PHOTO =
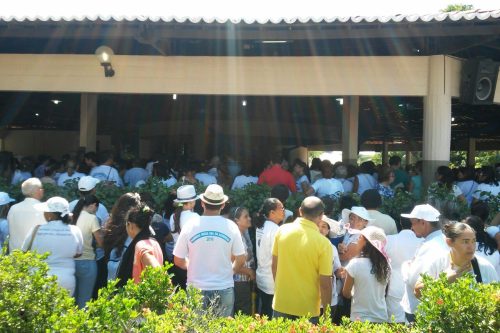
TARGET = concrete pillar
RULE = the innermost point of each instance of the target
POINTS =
(88, 121)
(350, 122)
(385, 153)
(437, 118)
(471, 152)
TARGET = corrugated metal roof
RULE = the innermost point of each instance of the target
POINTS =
(474, 15)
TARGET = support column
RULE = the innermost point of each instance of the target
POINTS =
(88, 121)
(437, 118)
(385, 152)
(350, 121)
(471, 153)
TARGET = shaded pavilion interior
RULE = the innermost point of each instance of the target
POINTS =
(289, 121)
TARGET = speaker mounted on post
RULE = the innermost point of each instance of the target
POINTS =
(478, 81)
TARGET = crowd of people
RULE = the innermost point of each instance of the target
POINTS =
(362, 264)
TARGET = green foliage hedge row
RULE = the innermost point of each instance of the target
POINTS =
(32, 302)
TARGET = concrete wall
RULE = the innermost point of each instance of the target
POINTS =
(53, 143)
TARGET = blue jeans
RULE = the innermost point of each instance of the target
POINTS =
(86, 274)
(221, 302)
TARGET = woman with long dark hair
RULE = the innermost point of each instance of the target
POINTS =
(270, 215)
(85, 265)
(144, 250)
(116, 239)
(486, 246)
(446, 179)
(487, 183)
(367, 278)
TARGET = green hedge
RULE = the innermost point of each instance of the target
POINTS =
(32, 302)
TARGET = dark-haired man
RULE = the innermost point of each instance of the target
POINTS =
(302, 265)
(210, 241)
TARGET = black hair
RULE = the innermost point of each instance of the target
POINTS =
(329, 203)
(467, 173)
(453, 230)
(346, 201)
(140, 216)
(269, 205)
(394, 160)
(66, 219)
(367, 167)
(486, 244)
(4, 210)
(447, 177)
(91, 156)
(480, 209)
(371, 199)
(489, 172)
(85, 201)
(384, 174)
(380, 265)
(315, 164)
(280, 192)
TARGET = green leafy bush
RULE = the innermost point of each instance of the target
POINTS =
(402, 202)
(251, 196)
(462, 306)
(445, 201)
(29, 300)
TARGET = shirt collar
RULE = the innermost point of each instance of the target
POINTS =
(433, 235)
(308, 223)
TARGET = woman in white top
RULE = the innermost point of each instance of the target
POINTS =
(486, 246)
(62, 240)
(85, 265)
(355, 220)
(302, 183)
(466, 183)
(367, 278)
(185, 202)
(269, 217)
(365, 179)
(461, 259)
(488, 184)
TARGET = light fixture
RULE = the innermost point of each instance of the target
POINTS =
(274, 41)
(104, 54)
(340, 100)
(244, 102)
(56, 101)
(452, 118)
(37, 114)
(174, 97)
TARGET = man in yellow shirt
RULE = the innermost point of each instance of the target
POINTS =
(302, 265)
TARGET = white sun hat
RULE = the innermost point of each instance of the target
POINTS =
(357, 210)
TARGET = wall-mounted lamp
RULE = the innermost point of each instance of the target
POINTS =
(104, 54)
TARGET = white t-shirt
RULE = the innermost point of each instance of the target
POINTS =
(205, 178)
(264, 240)
(336, 265)
(107, 173)
(493, 258)
(169, 182)
(331, 186)
(434, 245)
(186, 215)
(366, 182)
(133, 175)
(210, 241)
(4, 231)
(63, 241)
(490, 188)
(468, 187)
(368, 295)
(346, 184)
(64, 177)
(443, 262)
(22, 217)
(242, 180)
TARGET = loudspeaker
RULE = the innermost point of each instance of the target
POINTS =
(478, 81)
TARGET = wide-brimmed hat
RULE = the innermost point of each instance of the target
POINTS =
(87, 183)
(54, 205)
(186, 193)
(5, 199)
(376, 237)
(357, 210)
(214, 195)
(424, 212)
(335, 229)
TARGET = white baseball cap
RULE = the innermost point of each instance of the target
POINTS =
(54, 205)
(87, 183)
(5, 198)
(356, 210)
(423, 212)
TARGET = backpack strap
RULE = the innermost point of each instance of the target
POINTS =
(477, 272)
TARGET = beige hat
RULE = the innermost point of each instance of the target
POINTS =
(214, 195)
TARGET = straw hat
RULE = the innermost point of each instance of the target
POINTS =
(214, 195)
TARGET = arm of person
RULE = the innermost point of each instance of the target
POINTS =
(98, 238)
(352, 250)
(355, 185)
(308, 190)
(348, 283)
(238, 263)
(325, 285)
(410, 186)
(148, 259)
(181, 262)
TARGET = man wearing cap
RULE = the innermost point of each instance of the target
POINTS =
(23, 216)
(210, 242)
(425, 224)
(302, 265)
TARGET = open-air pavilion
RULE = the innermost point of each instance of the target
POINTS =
(200, 86)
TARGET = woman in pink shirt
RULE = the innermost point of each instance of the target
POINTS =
(144, 250)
